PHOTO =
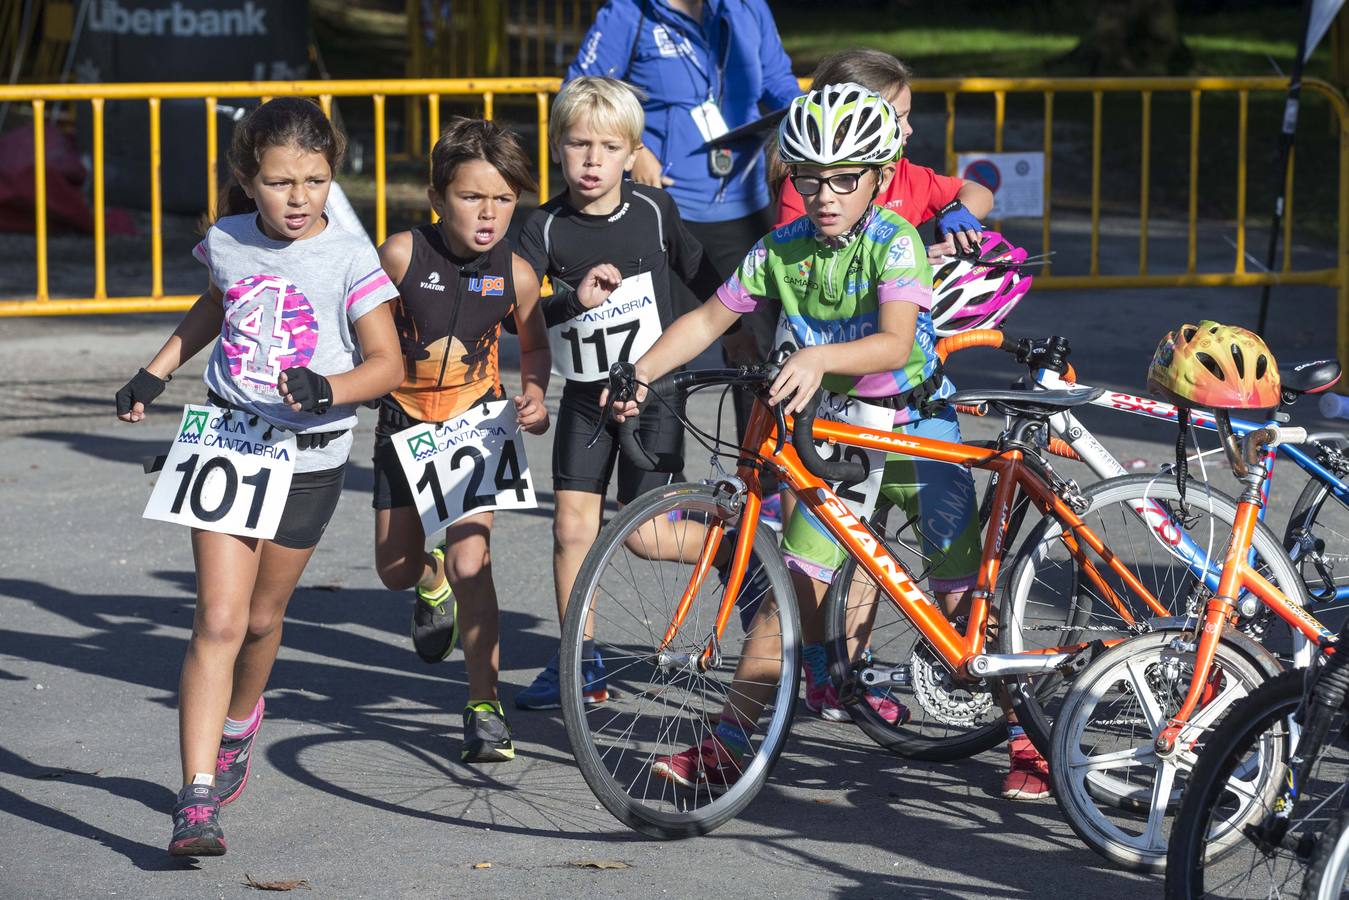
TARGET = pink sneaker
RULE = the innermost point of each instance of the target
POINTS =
(709, 765)
(823, 700)
(891, 710)
(1028, 777)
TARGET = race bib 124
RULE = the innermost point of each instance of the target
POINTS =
(473, 463)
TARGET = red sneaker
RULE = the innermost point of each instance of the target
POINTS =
(1028, 778)
(709, 765)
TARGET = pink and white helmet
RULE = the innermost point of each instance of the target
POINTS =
(969, 294)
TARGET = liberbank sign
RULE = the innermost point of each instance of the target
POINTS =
(179, 20)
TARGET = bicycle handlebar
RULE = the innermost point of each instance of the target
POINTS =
(802, 440)
(1050, 353)
(673, 390)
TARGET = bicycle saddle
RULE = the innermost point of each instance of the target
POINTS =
(1035, 404)
(1309, 377)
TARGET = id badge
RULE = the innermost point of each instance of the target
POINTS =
(707, 117)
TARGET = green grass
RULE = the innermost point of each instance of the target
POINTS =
(1009, 45)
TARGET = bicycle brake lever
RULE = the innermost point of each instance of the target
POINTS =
(604, 417)
(781, 418)
(621, 378)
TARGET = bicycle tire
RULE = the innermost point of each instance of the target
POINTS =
(1328, 868)
(909, 740)
(1323, 519)
(1261, 721)
(1031, 616)
(674, 812)
(1138, 685)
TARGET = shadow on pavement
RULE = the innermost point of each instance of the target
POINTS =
(145, 857)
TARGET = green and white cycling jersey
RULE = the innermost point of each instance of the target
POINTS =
(832, 293)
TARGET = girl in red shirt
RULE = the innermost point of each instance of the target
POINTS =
(916, 193)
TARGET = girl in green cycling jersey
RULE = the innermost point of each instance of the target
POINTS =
(855, 288)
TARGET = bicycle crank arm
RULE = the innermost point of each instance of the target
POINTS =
(996, 665)
(887, 675)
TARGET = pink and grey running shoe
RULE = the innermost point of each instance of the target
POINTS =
(822, 698)
(235, 759)
(196, 823)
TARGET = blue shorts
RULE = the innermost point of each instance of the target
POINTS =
(941, 496)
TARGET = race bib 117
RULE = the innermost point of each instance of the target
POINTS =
(620, 329)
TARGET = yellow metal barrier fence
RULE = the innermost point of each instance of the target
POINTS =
(486, 90)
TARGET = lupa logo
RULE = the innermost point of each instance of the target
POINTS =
(421, 445)
(193, 427)
(112, 17)
(432, 282)
(488, 285)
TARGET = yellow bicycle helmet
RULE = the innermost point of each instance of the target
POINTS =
(1214, 366)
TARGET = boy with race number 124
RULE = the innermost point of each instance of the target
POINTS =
(458, 283)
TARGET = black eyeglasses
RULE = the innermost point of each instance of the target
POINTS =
(842, 183)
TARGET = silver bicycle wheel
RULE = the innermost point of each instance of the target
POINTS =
(1050, 602)
(1103, 742)
(667, 697)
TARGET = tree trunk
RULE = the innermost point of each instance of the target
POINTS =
(1131, 37)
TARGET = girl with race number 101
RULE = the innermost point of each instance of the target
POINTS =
(458, 281)
(299, 305)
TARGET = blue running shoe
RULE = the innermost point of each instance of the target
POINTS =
(546, 691)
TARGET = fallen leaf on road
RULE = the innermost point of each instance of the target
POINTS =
(274, 885)
(482, 865)
(598, 864)
(62, 773)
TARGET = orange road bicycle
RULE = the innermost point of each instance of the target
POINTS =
(690, 605)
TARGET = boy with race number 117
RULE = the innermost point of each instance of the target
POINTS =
(610, 247)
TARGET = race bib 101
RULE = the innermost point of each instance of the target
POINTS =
(620, 329)
(473, 463)
(223, 474)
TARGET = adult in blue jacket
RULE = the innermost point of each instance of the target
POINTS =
(705, 66)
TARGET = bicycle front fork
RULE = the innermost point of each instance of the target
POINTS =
(1221, 607)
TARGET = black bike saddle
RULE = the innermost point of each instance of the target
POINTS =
(1035, 404)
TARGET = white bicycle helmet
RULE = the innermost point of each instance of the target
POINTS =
(840, 124)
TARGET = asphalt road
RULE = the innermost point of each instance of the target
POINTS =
(356, 786)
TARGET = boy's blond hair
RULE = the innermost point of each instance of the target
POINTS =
(611, 106)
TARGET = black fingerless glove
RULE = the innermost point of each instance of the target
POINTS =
(309, 389)
(142, 389)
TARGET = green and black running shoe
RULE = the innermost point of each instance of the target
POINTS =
(435, 619)
(487, 737)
